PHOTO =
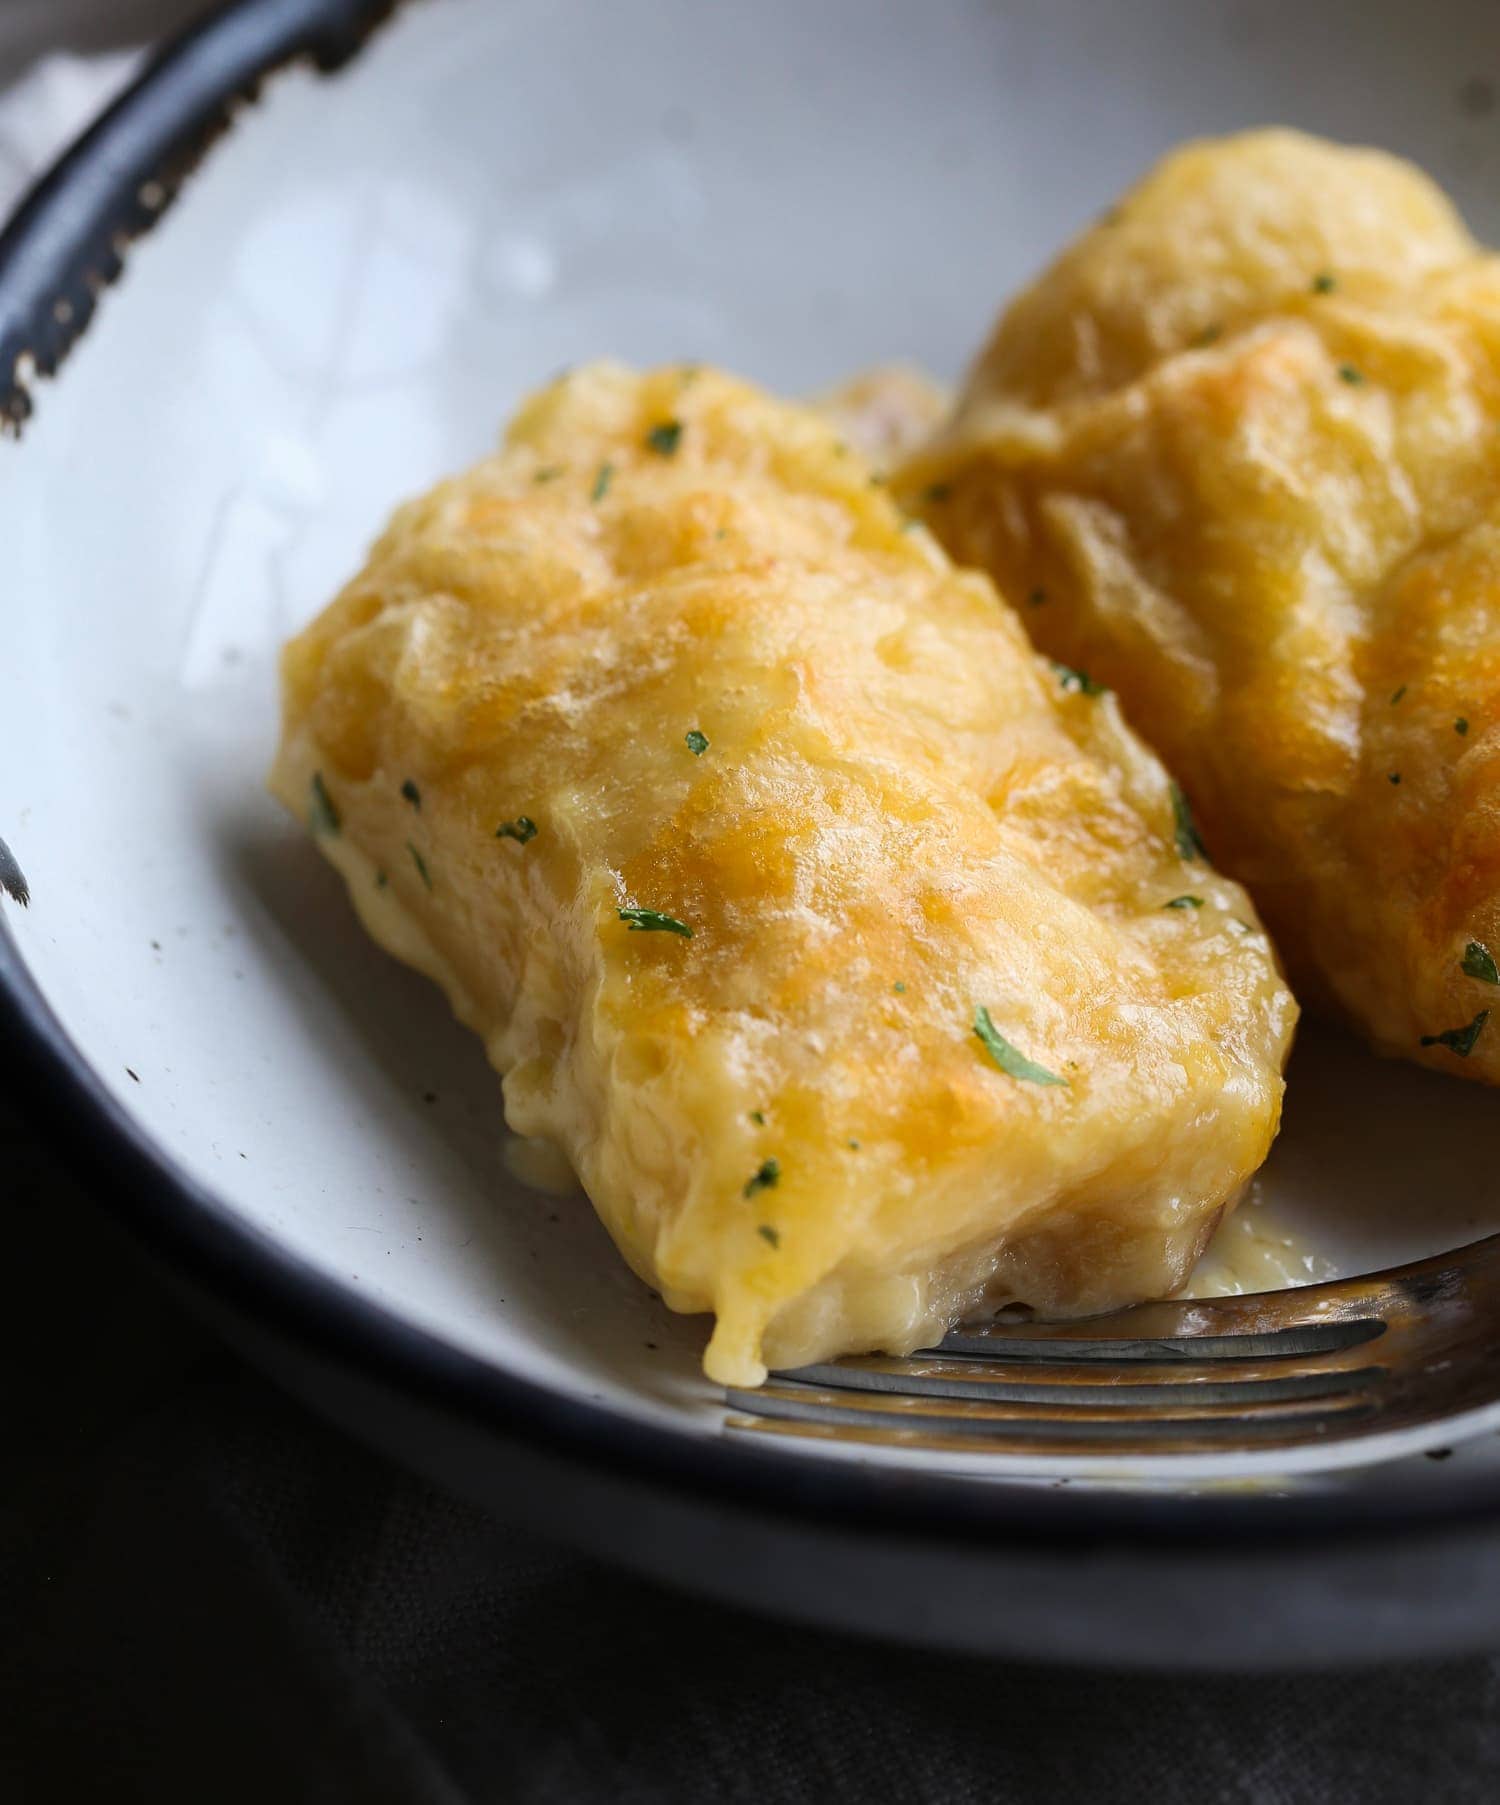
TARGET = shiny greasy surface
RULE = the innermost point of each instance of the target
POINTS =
(1238, 453)
(901, 815)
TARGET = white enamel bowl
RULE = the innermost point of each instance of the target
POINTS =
(347, 299)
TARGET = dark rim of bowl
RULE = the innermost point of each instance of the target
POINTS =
(58, 254)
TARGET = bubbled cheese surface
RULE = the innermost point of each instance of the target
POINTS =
(901, 815)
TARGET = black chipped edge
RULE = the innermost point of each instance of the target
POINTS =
(57, 256)
(68, 240)
(12, 878)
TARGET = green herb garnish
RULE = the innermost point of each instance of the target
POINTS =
(1348, 373)
(1324, 283)
(767, 1233)
(323, 816)
(1012, 1063)
(1079, 682)
(420, 863)
(1393, 777)
(854, 1146)
(1210, 335)
(1461, 726)
(1184, 902)
(937, 491)
(899, 988)
(412, 794)
(768, 1174)
(664, 439)
(649, 921)
(1459, 1040)
(522, 829)
(758, 1117)
(1397, 694)
(1185, 829)
(697, 743)
(548, 473)
(381, 880)
(1479, 962)
(602, 481)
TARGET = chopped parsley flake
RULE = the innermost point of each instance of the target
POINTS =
(937, 491)
(767, 1233)
(649, 921)
(381, 880)
(900, 988)
(1397, 694)
(1479, 962)
(1184, 902)
(420, 863)
(768, 1174)
(758, 1117)
(1210, 335)
(1348, 373)
(1079, 682)
(1038, 598)
(1393, 777)
(1012, 1063)
(697, 743)
(1459, 1040)
(548, 473)
(1461, 726)
(1185, 829)
(522, 829)
(323, 816)
(1324, 283)
(664, 439)
(602, 481)
(854, 1146)
(412, 794)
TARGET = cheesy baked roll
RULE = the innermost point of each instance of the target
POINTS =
(1238, 454)
(854, 956)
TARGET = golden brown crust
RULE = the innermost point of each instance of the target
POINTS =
(1238, 452)
(900, 814)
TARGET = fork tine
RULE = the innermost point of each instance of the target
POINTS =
(1302, 1319)
(1097, 1381)
(1066, 1423)
(1090, 1339)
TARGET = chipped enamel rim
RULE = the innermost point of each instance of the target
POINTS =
(58, 255)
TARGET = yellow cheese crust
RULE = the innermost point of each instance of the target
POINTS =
(1240, 448)
(901, 815)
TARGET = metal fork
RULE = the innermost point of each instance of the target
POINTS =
(1314, 1365)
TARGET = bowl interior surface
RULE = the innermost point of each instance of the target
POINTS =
(345, 304)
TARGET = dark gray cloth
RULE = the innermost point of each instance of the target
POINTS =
(208, 1595)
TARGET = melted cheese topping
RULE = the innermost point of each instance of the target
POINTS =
(900, 815)
(1241, 447)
